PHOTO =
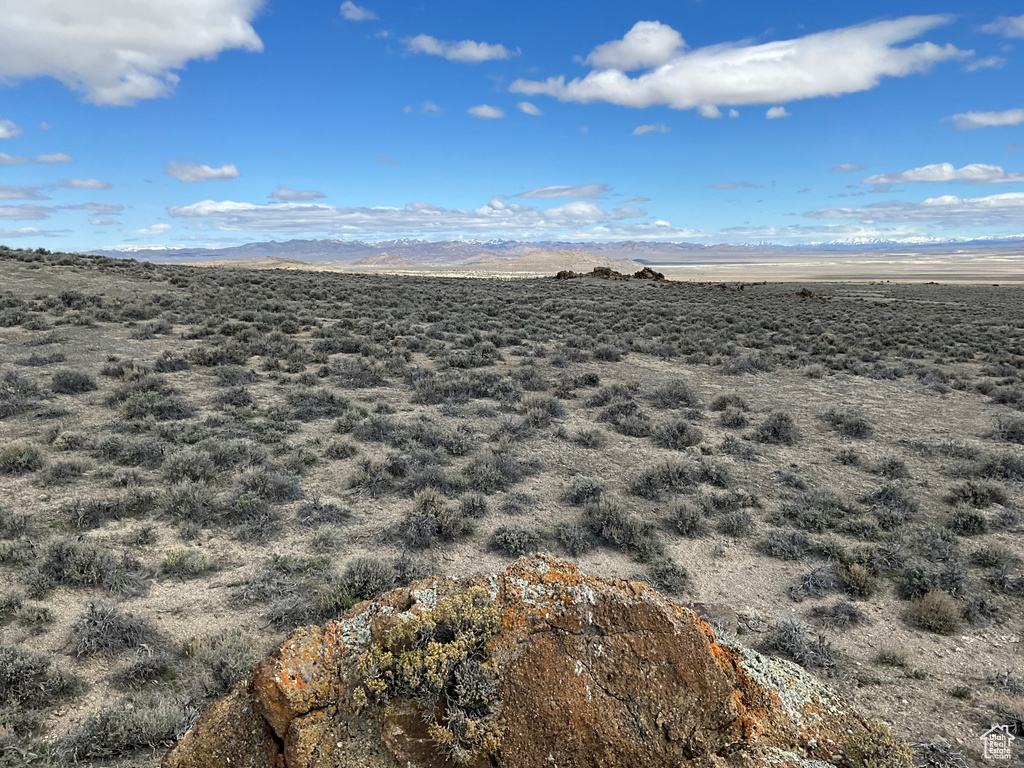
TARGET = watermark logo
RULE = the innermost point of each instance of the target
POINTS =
(998, 741)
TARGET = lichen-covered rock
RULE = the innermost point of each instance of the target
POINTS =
(538, 666)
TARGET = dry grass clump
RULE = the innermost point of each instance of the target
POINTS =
(936, 612)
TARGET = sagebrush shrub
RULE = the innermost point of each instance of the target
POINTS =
(789, 640)
(666, 575)
(20, 458)
(849, 423)
(777, 429)
(515, 540)
(68, 382)
(103, 628)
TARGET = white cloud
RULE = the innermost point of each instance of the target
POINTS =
(194, 172)
(776, 113)
(353, 12)
(59, 157)
(648, 44)
(119, 51)
(711, 112)
(1007, 26)
(733, 113)
(829, 63)
(990, 62)
(796, 234)
(970, 121)
(103, 208)
(848, 167)
(733, 185)
(152, 229)
(45, 126)
(975, 173)
(30, 212)
(498, 217)
(578, 192)
(283, 193)
(465, 51)
(104, 222)
(31, 232)
(10, 129)
(1005, 209)
(430, 108)
(528, 108)
(486, 111)
(640, 130)
(85, 184)
(8, 192)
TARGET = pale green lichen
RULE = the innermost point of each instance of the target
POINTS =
(438, 662)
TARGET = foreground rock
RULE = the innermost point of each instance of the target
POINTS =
(538, 666)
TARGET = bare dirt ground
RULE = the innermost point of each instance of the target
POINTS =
(311, 438)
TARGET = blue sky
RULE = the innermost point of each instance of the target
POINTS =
(217, 122)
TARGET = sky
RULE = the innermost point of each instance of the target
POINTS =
(190, 123)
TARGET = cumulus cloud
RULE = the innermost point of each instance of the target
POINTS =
(640, 130)
(1007, 26)
(829, 63)
(578, 192)
(498, 217)
(776, 113)
(8, 192)
(353, 12)
(733, 113)
(116, 52)
(970, 121)
(152, 229)
(486, 111)
(975, 173)
(465, 51)
(59, 157)
(10, 129)
(528, 108)
(1005, 209)
(283, 193)
(711, 112)
(194, 172)
(85, 184)
(848, 167)
(648, 44)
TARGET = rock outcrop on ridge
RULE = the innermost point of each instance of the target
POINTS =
(536, 667)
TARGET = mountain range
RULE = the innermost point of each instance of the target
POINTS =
(454, 253)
